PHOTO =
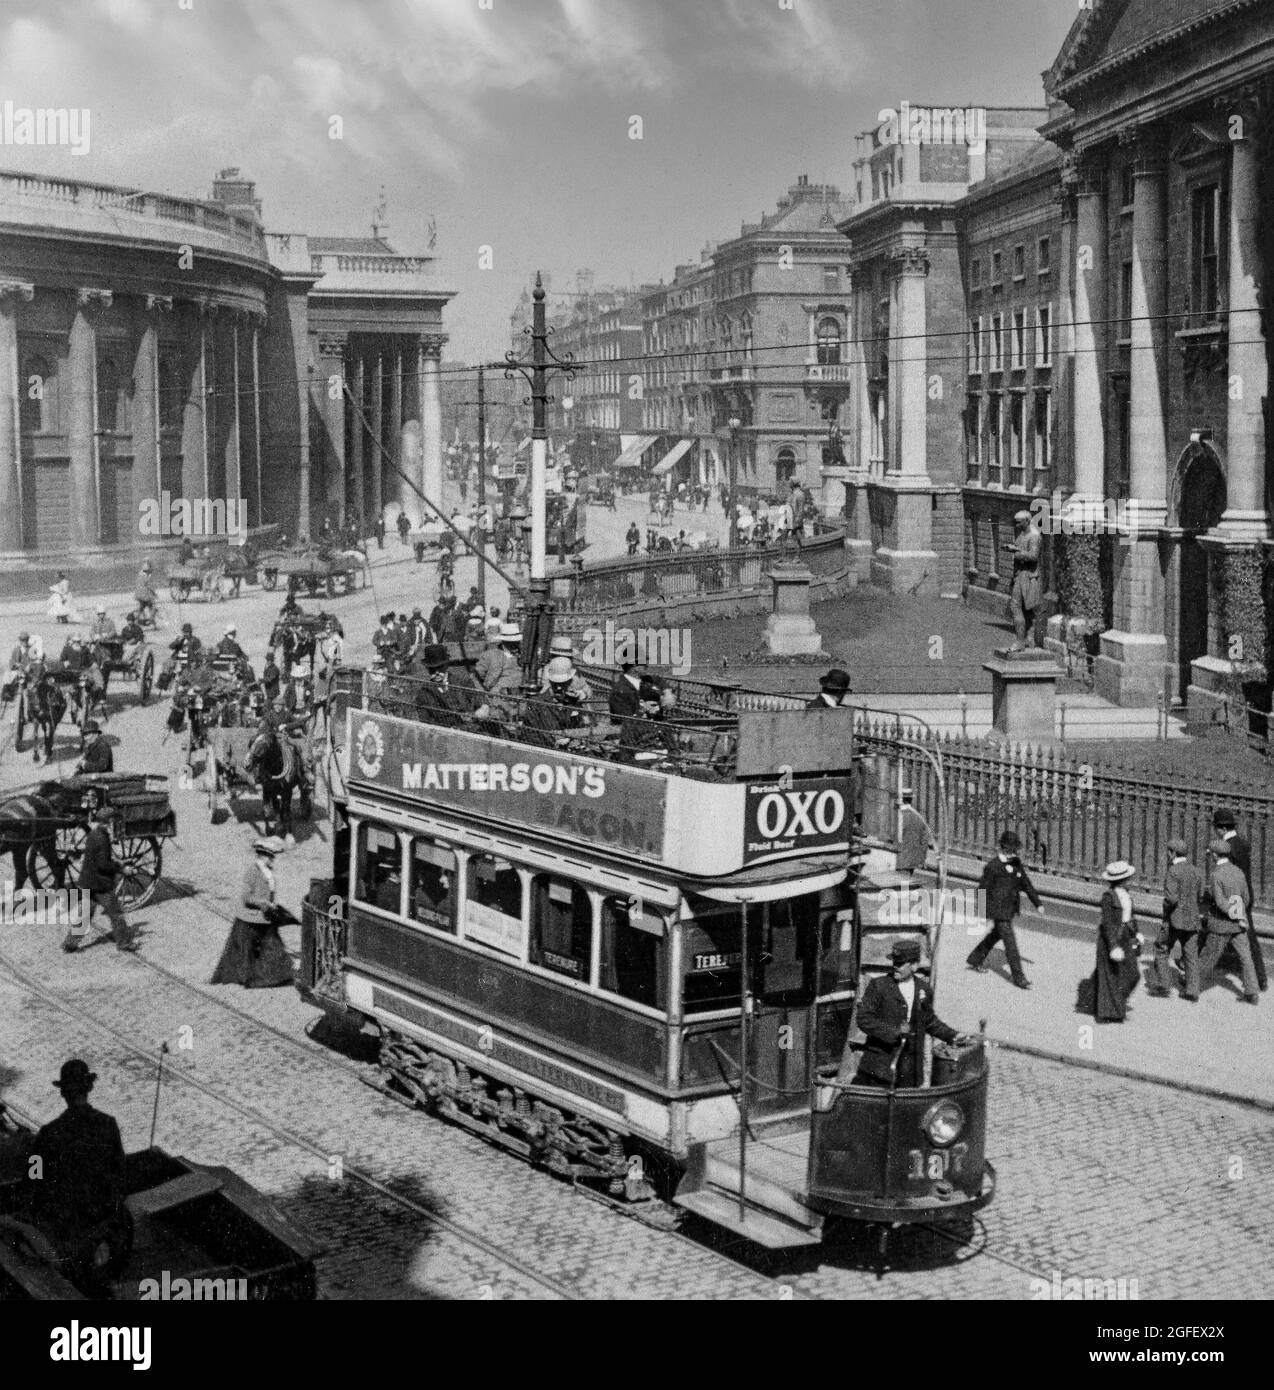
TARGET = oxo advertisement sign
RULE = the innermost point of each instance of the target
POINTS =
(808, 817)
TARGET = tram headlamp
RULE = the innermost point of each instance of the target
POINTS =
(943, 1123)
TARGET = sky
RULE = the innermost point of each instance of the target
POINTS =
(507, 122)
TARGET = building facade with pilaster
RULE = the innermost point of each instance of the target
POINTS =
(155, 350)
(1163, 116)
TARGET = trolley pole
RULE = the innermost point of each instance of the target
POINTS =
(745, 1018)
(482, 483)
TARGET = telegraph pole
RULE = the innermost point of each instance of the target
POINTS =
(539, 625)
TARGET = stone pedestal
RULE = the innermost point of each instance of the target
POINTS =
(1023, 695)
(906, 563)
(789, 630)
(1130, 669)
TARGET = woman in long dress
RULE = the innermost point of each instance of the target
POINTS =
(254, 955)
(60, 598)
(1118, 947)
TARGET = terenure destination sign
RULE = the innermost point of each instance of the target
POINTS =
(600, 803)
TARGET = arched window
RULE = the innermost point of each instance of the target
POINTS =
(37, 394)
(828, 342)
(785, 465)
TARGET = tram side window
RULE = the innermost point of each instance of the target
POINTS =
(378, 880)
(493, 906)
(432, 891)
(561, 926)
(633, 958)
(712, 957)
(789, 948)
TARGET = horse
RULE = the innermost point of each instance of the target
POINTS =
(277, 765)
(45, 706)
(28, 825)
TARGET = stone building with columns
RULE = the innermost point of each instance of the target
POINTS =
(1162, 112)
(153, 345)
(903, 441)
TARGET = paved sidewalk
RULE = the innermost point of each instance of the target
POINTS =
(1217, 1045)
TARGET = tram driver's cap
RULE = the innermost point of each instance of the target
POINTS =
(905, 953)
(75, 1076)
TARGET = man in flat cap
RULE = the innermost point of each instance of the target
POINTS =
(1183, 891)
(896, 1013)
(1025, 596)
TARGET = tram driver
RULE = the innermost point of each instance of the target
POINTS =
(896, 1013)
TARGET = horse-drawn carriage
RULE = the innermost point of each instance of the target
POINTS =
(601, 492)
(46, 692)
(202, 577)
(315, 569)
(220, 693)
(258, 761)
(138, 665)
(191, 1230)
(45, 828)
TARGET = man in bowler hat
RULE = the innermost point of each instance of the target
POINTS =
(1003, 881)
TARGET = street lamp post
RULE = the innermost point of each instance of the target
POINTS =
(734, 423)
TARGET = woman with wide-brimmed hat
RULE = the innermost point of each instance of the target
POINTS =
(1118, 946)
(254, 955)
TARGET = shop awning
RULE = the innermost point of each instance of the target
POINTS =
(674, 455)
(631, 457)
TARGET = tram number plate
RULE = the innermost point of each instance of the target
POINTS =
(937, 1163)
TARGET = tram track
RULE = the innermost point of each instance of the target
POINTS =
(777, 1288)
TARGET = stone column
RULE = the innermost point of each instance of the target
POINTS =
(256, 414)
(234, 445)
(331, 348)
(81, 424)
(1245, 515)
(907, 562)
(358, 429)
(194, 431)
(1089, 323)
(431, 417)
(1130, 669)
(147, 475)
(12, 292)
(395, 359)
(387, 482)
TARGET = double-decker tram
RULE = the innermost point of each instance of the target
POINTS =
(638, 969)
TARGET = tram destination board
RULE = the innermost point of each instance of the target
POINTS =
(600, 803)
(809, 816)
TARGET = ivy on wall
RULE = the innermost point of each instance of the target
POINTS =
(1240, 580)
(1078, 575)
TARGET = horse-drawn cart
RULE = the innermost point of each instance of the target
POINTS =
(144, 819)
(257, 762)
(138, 665)
(315, 569)
(201, 577)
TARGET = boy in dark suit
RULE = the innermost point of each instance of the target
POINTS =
(1003, 881)
(1225, 826)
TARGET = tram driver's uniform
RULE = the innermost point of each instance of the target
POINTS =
(896, 1016)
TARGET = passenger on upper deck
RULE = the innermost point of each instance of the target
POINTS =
(835, 686)
(436, 702)
(648, 735)
(624, 692)
(556, 708)
(895, 1013)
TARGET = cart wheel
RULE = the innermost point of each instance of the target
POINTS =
(148, 675)
(269, 579)
(212, 774)
(68, 854)
(141, 861)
